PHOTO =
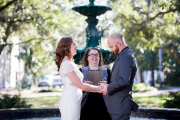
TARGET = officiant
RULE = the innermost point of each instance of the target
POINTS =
(94, 105)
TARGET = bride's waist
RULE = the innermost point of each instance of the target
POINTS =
(69, 85)
(72, 92)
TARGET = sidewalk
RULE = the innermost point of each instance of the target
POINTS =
(29, 93)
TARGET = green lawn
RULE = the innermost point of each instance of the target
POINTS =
(148, 100)
(44, 102)
(53, 101)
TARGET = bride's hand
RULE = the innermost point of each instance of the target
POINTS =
(100, 91)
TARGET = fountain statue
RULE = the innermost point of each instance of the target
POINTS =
(93, 34)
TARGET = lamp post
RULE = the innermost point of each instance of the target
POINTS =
(160, 67)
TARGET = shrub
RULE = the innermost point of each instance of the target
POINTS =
(141, 87)
(158, 80)
(173, 79)
(13, 102)
(27, 81)
(172, 100)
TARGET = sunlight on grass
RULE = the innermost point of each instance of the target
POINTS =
(143, 100)
(44, 102)
(148, 100)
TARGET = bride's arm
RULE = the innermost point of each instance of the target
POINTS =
(83, 86)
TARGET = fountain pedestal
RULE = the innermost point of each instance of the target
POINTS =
(93, 35)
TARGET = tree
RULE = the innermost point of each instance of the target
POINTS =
(39, 25)
(168, 4)
(146, 27)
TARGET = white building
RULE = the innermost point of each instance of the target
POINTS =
(11, 69)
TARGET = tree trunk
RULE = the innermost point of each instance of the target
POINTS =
(174, 54)
(141, 77)
(34, 79)
(1, 48)
(5, 39)
(152, 76)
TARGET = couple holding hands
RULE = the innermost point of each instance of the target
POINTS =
(112, 99)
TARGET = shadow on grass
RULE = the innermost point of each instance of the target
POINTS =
(52, 89)
(163, 88)
(46, 91)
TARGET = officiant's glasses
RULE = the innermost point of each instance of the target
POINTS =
(95, 55)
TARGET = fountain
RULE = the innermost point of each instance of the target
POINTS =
(93, 40)
(93, 34)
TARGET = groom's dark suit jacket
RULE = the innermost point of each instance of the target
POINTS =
(120, 99)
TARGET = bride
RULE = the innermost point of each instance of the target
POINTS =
(70, 102)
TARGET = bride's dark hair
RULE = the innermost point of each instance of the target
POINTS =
(62, 50)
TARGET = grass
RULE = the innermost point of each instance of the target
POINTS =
(44, 102)
(148, 100)
(141, 99)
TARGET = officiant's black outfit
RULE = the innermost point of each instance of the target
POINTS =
(94, 105)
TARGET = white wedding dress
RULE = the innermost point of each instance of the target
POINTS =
(70, 102)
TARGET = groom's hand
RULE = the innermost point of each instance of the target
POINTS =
(103, 81)
(104, 86)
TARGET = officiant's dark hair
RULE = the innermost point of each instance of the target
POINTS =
(85, 61)
(62, 50)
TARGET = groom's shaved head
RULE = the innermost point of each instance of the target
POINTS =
(116, 43)
(117, 37)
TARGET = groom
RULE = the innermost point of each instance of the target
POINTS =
(119, 90)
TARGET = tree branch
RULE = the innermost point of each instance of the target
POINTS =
(25, 41)
(8, 4)
(150, 19)
(162, 13)
(25, 20)
(123, 16)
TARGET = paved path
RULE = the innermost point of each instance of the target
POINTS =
(31, 94)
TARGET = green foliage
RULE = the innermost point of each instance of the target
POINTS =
(39, 25)
(141, 87)
(173, 76)
(27, 81)
(172, 79)
(172, 100)
(168, 4)
(13, 102)
(146, 27)
(147, 60)
(158, 78)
